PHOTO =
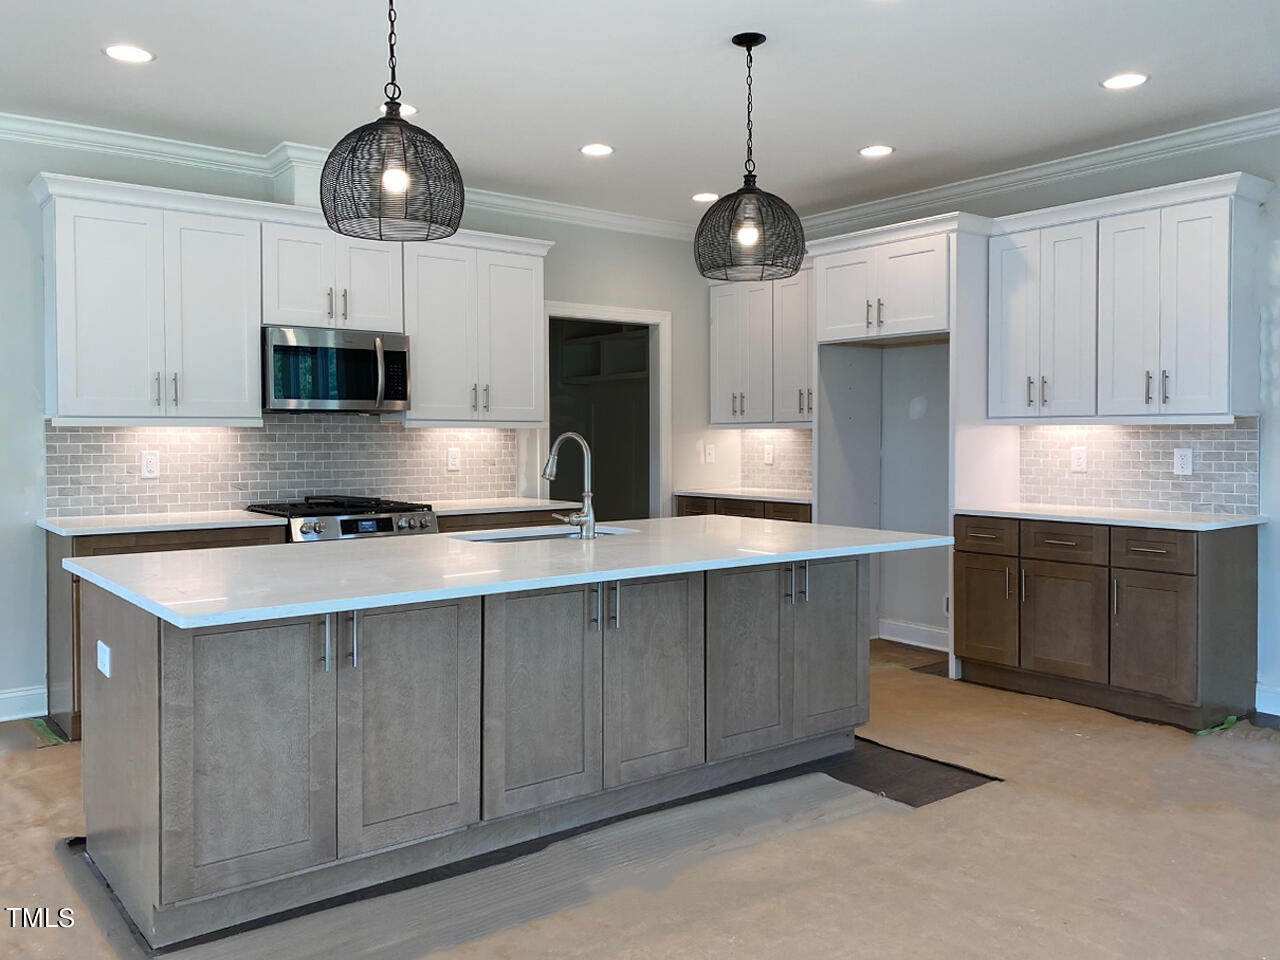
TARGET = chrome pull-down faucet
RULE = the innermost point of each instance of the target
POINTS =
(584, 519)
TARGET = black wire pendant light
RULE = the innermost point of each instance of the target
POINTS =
(750, 234)
(390, 180)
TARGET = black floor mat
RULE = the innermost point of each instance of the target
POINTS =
(901, 776)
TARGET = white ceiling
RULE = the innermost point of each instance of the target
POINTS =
(960, 87)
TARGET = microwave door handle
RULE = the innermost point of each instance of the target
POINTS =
(382, 372)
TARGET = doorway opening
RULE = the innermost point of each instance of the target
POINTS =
(599, 386)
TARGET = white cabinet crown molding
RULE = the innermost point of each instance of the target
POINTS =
(944, 223)
(1243, 185)
(52, 186)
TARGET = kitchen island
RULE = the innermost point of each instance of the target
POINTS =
(272, 726)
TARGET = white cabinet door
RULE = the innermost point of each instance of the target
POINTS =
(441, 322)
(1069, 320)
(793, 348)
(109, 263)
(727, 309)
(1129, 313)
(212, 311)
(1194, 307)
(843, 285)
(911, 286)
(369, 285)
(298, 276)
(513, 337)
(755, 402)
(1013, 324)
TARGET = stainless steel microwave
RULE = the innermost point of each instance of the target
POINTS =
(325, 368)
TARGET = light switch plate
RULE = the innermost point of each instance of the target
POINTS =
(1182, 465)
(709, 453)
(149, 464)
(1079, 459)
(104, 659)
(453, 460)
(768, 453)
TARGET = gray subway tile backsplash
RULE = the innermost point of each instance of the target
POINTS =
(92, 470)
(792, 467)
(1131, 467)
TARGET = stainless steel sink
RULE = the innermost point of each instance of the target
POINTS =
(526, 534)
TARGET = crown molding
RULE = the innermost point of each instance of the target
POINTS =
(1256, 126)
(893, 232)
(289, 156)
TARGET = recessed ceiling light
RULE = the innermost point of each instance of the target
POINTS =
(597, 150)
(128, 53)
(876, 150)
(1125, 81)
(406, 109)
(706, 197)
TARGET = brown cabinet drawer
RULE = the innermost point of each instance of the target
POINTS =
(798, 512)
(1165, 551)
(1070, 542)
(987, 535)
(461, 522)
(740, 508)
(695, 506)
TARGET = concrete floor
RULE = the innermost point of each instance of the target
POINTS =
(1109, 838)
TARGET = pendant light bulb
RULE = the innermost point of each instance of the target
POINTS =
(395, 180)
(748, 235)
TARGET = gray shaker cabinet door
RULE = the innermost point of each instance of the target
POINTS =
(247, 731)
(832, 610)
(408, 723)
(750, 660)
(542, 699)
(653, 677)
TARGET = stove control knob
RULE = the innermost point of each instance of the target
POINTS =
(403, 523)
(413, 523)
(321, 526)
(306, 528)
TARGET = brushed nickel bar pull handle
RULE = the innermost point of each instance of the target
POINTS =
(1031, 386)
(1006, 582)
(1164, 387)
(175, 389)
(744, 404)
(1044, 388)
(1024, 584)
(355, 639)
(598, 619)
(800, 408)
(159, 399)
(325, 658)
(1148, 389)
(868, 314)
(879, 312)
(1147, 550)
(810, 410)
(983, 536)
(1061, 543)
(1115, 596)
(486, 398)
(475, 389)
(733, 400)
(791, 595)
(331, 303)
(344, 303)
(617, 604)
(806, 581)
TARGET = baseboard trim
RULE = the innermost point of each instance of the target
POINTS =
(19, 703)
(915, 634)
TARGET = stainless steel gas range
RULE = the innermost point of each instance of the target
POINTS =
(336, 517)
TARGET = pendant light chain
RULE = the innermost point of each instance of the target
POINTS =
(392, 89)
(750, 165)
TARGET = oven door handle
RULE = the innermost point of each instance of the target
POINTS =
(382, 372)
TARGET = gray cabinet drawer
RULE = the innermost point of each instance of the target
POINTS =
(1069, 542)
(1164, 551)
(997, 535)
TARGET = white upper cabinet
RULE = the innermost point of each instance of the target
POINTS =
(1129, 313)
(313, 277)
(741, 380)
(477, 328)
(793, 345)
(1147, 306)
(893, 289)
(1195, 276)
(104, 286)
(212, 284)
(1013, 324)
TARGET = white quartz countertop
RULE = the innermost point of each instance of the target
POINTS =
(1163, 519)
(448, 508)
(751, 493)
(213, 519)
(197, 588)
(155, 522)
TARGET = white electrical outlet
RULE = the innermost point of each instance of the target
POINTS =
(1079, 459)
(149, 464)
(768, 453)
(1182, 462)
(453, 460)
(709, 453)
(104, 659)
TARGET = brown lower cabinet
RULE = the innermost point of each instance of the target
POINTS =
(1118, 629)
(734, 507)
